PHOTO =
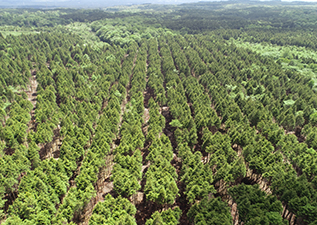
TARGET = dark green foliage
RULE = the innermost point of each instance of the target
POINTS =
(113, 211)
(166, 217)
(255, 207)
(210, 211)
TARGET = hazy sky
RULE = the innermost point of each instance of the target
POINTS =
(92, 3)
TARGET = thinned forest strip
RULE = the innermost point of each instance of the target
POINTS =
(127, 173)
(153, 92)
(140, 84)
(168, 130)
(195, 140)
(51, 148)
(220, 187)
(168, 69)
(103, 184)
(31, 96)
(160, 151)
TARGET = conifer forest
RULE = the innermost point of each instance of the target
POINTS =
(202, 113)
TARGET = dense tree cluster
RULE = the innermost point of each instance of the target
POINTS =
(255, 207)
(166, 217)
(210, 211)
(113, 211)
(122, 33)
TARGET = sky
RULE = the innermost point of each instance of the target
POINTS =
(91, 3)
(76, 3)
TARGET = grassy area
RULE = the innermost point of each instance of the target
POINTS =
(84, 31)
(81, 29)
(15, 30)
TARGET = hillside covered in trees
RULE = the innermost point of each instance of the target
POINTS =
(200, 113)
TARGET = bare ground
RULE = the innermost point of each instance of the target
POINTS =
(31, 93)
(103, 186)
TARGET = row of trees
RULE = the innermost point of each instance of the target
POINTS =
(127, 170)
(154, 74)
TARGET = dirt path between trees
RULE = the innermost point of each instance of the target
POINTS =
(31, 93)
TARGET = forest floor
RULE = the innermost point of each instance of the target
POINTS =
(31, 93)
(103, 186)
